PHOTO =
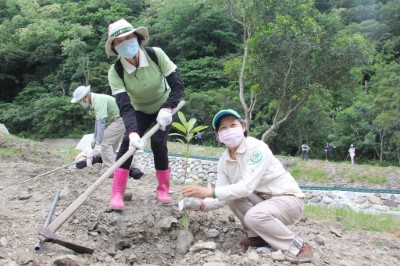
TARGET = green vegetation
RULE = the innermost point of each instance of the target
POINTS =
(352, 220)
(311, 175)
(187, 132)
(297, 70)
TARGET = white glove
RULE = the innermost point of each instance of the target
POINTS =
(164, 118)
(93, 143)
(192, 204)
(97, 150)
(135, 141)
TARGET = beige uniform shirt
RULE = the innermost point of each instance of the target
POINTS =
(256, 170)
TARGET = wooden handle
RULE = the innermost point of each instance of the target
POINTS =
(70, 210)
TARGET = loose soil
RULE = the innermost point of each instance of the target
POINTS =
(146, 232)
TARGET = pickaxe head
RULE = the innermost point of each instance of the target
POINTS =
(51, 237)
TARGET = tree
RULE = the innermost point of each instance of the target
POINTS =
(300, 53)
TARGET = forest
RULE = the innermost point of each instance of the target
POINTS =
(298, 71)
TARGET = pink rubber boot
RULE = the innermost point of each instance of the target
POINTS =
(162, 191)
(118, 189)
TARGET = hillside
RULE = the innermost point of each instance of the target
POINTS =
(146, 232)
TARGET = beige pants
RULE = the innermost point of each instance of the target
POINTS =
(112, 138)
(268, 219)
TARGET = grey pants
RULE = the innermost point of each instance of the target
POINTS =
(268, 218)
(112, 138)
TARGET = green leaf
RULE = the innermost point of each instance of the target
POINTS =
(182, 117)
(179, 127)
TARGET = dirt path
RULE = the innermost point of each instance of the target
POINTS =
(146, 232)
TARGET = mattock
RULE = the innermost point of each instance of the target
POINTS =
(47, 233)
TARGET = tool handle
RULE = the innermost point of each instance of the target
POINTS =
(49, 216)
(70, 210)
(54, 170)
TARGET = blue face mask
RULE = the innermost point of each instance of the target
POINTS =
(128, 48)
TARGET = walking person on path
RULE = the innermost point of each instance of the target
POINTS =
(352, 153)
(304, 152)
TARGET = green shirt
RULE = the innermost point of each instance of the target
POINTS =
(104, 106)
(146, 85)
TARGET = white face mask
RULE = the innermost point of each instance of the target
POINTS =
(231, 137)
(84, 104)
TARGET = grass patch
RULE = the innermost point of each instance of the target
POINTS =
(373, 179)
(353, 220)
(9, 151)
(311, 175)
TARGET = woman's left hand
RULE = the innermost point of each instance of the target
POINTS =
(197, 192)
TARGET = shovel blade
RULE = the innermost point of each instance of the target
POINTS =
(51, 237)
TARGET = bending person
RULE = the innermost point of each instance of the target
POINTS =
(146, 92)
(109, 127)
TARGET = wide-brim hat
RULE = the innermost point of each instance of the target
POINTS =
(123, 28)
(222, 113)
(79, 93)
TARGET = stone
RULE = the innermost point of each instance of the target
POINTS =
(167, 222)
(67, 260)
(184, 240)
(390, 203)
(374, 199)
(212, 233)
(203, 246)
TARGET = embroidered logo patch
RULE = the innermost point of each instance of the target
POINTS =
(255, 157)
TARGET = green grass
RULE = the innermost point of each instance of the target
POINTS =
(353, 220)
(310, 174)
(366, 178)
(9, 151)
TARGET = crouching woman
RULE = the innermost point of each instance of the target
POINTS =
(256, 187)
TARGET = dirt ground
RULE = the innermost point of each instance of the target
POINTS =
(146, 232)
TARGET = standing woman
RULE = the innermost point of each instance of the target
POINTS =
(145, 95)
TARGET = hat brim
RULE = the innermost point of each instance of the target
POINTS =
(142, 31)
(78, 99)
(222, 113)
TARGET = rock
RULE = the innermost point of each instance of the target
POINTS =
(374, 199)
(166, 223)
(212, 233)
(128, 196)
(335, 232)
(184, 240)
(390, 203)
(253, 256)
(67, 260)
(277, 256)
(203, 246)
(319, 240)
(263, 250)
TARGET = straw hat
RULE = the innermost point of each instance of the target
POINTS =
(123, 28)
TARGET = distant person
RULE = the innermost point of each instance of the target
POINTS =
(304, 151)
(199, 137)
(90, 159)
(109, 126)
(352, 153)
(256, 187)
(328, 152)
(136, 171)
